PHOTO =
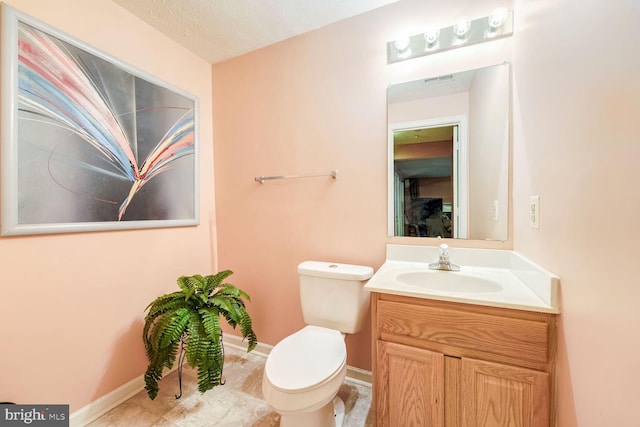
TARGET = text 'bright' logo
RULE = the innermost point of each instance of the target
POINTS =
(26, 416)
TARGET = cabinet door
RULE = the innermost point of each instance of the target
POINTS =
(409, 386)
(495, 395)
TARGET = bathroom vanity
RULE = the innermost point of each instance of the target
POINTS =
(459, 357)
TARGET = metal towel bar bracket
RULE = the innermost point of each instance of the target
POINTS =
(262, 179)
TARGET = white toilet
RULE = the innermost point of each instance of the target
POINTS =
(305, 370)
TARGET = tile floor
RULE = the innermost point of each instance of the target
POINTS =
(237, 403)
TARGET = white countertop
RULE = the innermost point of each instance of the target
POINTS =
(524, 286)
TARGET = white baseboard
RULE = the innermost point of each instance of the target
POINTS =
(104, 404)
(94, 410)
(240, 344)
(360, 376)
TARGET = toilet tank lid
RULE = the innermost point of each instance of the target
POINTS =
(335, 270)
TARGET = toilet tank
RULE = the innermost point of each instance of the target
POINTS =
(332, 295)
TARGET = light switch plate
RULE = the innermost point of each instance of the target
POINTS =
(534, 212)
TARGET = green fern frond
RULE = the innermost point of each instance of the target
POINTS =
(201, 354)
(221, 302)
(208, 378)
(155, 370)
(171, 353)
(197, 337)
(158, 310)
(175, 328)
(215, 280)
(246, 328)
(239, 308)
(191, 285)
(187, 283)
(233, 291)
(156, 331)
(211, 323)
(159, 329)
(151, 378)
(232, 309)
(239, 311)
(184, 283)
(210, 370)
(229, 319)
(162, 301)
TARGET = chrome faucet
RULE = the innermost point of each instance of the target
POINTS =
(444, 263)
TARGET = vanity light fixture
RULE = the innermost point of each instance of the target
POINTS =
(431, 38)
(403, 45)
(462, 27)
(464, 32)
(498, 18)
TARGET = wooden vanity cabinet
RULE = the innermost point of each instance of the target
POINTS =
(440, 363)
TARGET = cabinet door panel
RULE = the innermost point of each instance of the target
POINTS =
(409, 386)
(495, 395)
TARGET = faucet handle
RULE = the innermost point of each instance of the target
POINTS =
(443, 262)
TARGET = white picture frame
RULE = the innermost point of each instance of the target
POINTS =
(90, 143)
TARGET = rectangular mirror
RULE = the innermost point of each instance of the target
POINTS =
(449, 139)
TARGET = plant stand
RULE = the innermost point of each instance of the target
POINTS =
(181, 362)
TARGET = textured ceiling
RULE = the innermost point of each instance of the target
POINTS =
(217, 30)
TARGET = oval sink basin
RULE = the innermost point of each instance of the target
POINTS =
(449, 281)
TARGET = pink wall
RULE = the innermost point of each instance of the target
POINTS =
(311, 104)
(577, 96)
(73, 304)
(318, 101)
(299, 107)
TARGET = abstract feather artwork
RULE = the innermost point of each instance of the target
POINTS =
(90, 143)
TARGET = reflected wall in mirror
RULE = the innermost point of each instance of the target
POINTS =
(449, 155)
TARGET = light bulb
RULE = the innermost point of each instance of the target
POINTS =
(431, 36)
(402, 44)
(498, 17)
(462, 27)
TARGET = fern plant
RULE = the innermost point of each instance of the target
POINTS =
(190, 320)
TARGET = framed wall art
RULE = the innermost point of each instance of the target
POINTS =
(90, 143)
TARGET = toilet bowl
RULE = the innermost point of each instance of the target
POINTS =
(303, 374)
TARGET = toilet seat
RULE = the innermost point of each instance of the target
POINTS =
(306, 359)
